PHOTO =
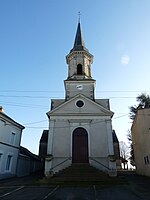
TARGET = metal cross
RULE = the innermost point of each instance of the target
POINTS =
(79, 14)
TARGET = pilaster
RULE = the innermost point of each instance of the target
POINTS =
(50, 138)
(112, 162)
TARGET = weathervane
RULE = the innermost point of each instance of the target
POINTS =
(79, 14)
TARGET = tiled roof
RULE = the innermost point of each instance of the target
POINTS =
(26, 152)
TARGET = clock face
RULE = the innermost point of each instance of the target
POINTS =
(79, 87)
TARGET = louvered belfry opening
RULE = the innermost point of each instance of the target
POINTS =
(79, 69)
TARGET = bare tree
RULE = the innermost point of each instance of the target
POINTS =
(124, 154)
(131, 158)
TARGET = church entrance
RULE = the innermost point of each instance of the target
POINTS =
(80, 146)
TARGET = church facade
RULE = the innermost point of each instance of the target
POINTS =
(80, 129)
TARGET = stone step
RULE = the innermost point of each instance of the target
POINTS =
(81, 171)
(81, 174)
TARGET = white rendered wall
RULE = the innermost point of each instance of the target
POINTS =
(99, 140)
(9, 148)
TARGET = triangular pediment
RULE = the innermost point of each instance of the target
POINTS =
(89, 107)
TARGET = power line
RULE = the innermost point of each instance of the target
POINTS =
(59, 127)
(23, 105)
(50, 92)
(120, 116)
(37, 122)
(53, 97)
(99, 121)
(25, 96)
(55, 91)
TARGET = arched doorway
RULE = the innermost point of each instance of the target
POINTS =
(80, 146)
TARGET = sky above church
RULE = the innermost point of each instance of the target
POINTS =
(35, 37)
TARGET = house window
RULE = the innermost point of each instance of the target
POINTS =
(12, 139)
(79, 69)
(8, 162)
(146, 160)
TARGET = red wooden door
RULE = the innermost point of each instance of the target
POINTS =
(80, 146)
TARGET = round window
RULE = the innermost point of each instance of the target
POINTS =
(79, 103)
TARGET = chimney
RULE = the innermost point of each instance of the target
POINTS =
(1, 109)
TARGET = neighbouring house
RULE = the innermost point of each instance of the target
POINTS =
(116, 150)
(15, 160)
(28, 163)
(10, 138)
(80, 126)
(141, 141)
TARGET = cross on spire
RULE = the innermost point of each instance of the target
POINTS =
(79, 16)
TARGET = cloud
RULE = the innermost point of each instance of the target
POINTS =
(125, 59)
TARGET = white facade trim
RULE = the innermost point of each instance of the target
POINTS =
(50, 138)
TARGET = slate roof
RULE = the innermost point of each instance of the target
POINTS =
(4, 117)
(79, 44)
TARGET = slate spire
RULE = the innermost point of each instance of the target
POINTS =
(79, 44)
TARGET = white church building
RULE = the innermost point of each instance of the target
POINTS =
(80, 126)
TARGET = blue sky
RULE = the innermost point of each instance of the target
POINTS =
(35, 37)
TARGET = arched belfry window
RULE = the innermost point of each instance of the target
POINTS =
(79, 69)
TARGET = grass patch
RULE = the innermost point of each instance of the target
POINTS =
(110, 181)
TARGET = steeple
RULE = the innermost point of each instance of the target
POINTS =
(79, 44)
(79, 60)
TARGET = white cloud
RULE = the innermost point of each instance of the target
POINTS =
(125, 59)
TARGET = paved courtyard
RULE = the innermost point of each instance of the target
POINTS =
(135, 188)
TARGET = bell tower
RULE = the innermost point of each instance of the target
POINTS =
(79, 62)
